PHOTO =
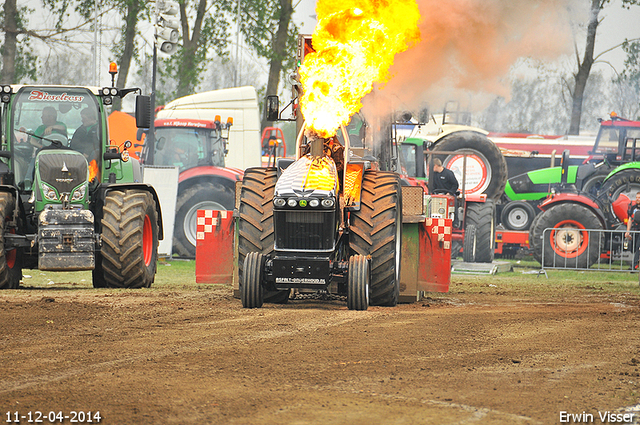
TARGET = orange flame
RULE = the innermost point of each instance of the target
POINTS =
(93, 169)
(355, 43)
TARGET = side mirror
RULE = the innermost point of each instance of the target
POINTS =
(139, 134)
(272, 108)
(143, 111)
(160, 143)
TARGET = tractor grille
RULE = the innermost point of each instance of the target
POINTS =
(63, 171)
(305, 230)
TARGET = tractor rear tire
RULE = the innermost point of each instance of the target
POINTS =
(483, 216)
(494, 180)
(376, 231)
(625, 181)
(10, 264)
(129, 254)
(252, 292)
(470, 244)
(517, 215)
(202, 196)
(255, 226)
(358, 283)
(570, 247)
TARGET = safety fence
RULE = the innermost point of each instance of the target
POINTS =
(588, 249)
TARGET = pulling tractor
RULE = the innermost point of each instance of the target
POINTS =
(73, 203)
(330, 220)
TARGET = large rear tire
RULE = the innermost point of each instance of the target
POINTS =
(534, 239)
(10, 264)
(376, 231)
(129, 253)
(626, 181)
(570, 246)
(491, 175)
(255, 225)
(358, 283)
(483, 216)
(202, 196)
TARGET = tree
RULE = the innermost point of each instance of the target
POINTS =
(17, 61)
(628, 82)
(268, 29)
(584, 65)
(204, 30)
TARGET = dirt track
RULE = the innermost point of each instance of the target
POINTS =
(189, 354)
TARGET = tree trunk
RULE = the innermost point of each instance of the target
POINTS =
(186, 72)
(584, 69)
(279, 50)
(10, 42)
(131, 20)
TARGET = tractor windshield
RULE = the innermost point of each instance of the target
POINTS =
(185, 148)
(41, 116)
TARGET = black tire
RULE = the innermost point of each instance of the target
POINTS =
(129, 253)
(593, 184)
(570, 247)
(489, 154)
(469, 245)
(252, 291)
(255, 225)
(358, 283)
(626, 181)
(483, 216)
(534, 239)
(202, 196)
(10, 260)
(517, 215)
(456, 246)
(376, 231)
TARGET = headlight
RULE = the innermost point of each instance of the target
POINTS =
(48, 192)
(279, 202)
(314, 203)
(292, 202)
(328, 202)
(78, 194)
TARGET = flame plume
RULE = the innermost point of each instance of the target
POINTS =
(355, 43)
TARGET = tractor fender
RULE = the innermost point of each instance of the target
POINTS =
(106, 188)
(622, 167)
(232, 174)
(575, 198)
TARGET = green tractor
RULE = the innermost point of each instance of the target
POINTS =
(614, 168)
(69, 200)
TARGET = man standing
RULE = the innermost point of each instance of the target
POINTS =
(444, 179)
(633, 223)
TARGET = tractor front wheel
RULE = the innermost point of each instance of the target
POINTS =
(358, 283)
(10, 264)
(252, 291)
(129, 240)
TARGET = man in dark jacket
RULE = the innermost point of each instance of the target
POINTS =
(444, 179)
(85, 139)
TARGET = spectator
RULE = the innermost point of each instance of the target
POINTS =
(443, 178)
(633, 223)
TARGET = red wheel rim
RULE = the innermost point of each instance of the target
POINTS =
(147, 240)
(569, 242)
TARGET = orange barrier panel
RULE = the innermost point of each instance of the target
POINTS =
(214, 247)
(434, 269)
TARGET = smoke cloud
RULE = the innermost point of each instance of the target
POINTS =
(471, 45)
